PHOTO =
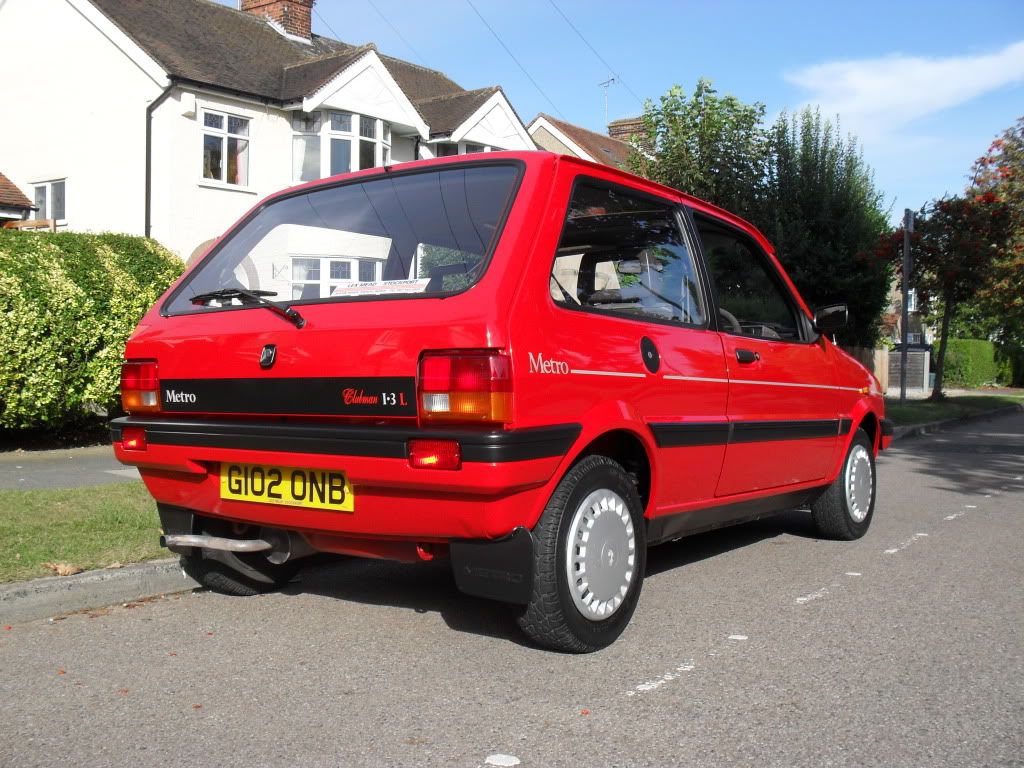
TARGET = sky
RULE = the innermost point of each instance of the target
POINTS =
(923, 86)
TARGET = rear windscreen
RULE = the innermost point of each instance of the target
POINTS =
(412, 234)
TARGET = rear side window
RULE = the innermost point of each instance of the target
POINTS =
(751, 300)
(624, 254)
(413, 234)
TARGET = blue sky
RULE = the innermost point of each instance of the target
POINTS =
(925, 86)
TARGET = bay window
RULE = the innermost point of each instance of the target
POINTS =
(49, 199)
(332, 142)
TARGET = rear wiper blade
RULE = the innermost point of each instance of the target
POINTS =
(255, 296)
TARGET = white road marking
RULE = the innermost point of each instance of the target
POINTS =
(970, 506)
(954, 516)
(854, 573)
(905, 544)
(668, 677)
(813, 596)
(738, 637)
(506, 761)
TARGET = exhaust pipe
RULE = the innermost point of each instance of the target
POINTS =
(279, 546)
(214, 542)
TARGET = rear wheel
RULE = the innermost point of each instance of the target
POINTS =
(235, 573)
(845, 510)
(589, 558)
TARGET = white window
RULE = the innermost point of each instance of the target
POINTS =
(50, 200)
(317, 277)
(331, 142)
(226, 148)
(449, 148)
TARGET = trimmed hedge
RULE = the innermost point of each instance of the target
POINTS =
(972, 363)
(68, 303)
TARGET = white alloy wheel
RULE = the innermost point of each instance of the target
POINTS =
(859, 483)
(600, 554)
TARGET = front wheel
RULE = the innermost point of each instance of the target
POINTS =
(589, 558)
(844, 511)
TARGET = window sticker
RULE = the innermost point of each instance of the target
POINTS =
(381, 286)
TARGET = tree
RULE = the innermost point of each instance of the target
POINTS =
(824, 214)
(709, 146)
(799, 182)
(998, 307)
(954, 245)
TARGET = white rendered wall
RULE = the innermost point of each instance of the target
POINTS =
(78, 113)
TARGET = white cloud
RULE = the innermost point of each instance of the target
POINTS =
(875, 96)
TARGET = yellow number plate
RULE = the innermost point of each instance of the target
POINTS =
(290, 486)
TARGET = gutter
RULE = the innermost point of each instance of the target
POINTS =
(149, 154)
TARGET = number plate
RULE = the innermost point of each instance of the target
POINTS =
(290, 486)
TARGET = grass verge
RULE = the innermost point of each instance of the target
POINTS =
(923, 411)
(84, 527)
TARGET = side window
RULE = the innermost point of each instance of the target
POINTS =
(751, 301)
(624, 253)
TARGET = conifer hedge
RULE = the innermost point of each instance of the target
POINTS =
(68, 302)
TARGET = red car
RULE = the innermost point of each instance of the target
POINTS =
(533, 365)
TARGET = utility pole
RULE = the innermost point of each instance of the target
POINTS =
(610, 81)
(908, 227)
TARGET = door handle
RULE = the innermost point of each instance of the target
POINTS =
(747, 356)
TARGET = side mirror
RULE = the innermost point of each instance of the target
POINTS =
(828, 320)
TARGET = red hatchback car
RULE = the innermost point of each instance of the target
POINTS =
(533, 365)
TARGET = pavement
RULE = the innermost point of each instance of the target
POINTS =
(96, 465)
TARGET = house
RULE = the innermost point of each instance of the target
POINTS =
(565, 138)
(173, 118)
(14, 206)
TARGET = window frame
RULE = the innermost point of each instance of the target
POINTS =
(674, 208)
(224, 135)
(804, 326)
(47, 185)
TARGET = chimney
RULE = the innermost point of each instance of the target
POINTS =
(625, 129)
(293, 16)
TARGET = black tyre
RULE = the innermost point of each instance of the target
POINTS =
(844, 511)
(239, 574)
(589, 559)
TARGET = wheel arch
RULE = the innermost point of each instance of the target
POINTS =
(628, 449)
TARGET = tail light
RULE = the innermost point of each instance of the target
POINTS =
(140, 386)
(465, 386)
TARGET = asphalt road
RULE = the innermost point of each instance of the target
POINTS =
(66, 468)
(754, 646)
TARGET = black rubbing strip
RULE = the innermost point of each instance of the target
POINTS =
(770, 431)
(672, 435)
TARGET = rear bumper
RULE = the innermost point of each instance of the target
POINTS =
(499, 487)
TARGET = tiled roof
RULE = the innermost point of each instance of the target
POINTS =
(603, 149)
(212, 44)
(446, 113)
(11, 196)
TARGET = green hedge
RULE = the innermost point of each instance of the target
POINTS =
(68, 303)
(972, 363)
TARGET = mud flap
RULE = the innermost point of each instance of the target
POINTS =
(176, 520)
(498, 569)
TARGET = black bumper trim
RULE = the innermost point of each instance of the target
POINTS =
(385, 442)
(677, 435)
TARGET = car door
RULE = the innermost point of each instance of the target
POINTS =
(638, 323)
(783, 404)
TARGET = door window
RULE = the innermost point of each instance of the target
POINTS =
(624, 253)
(751, 300)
